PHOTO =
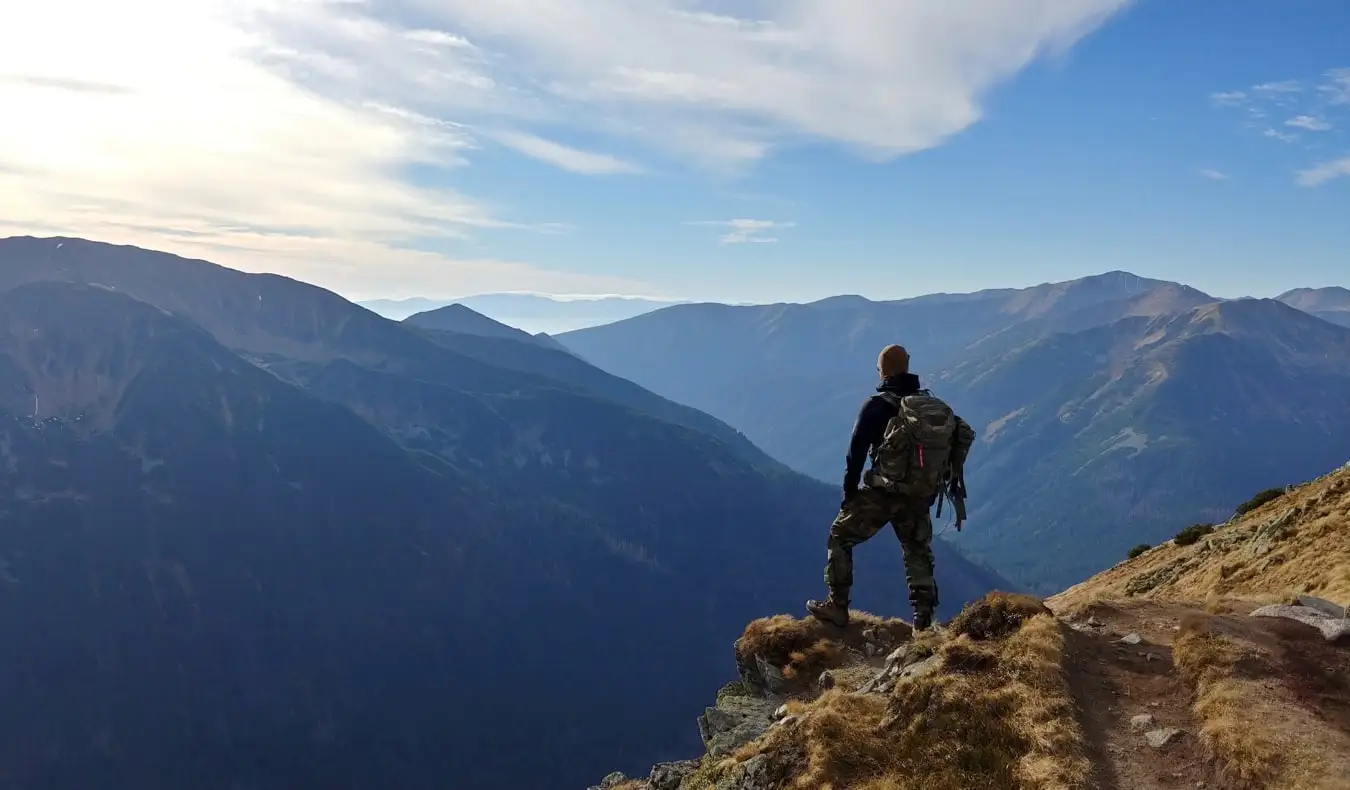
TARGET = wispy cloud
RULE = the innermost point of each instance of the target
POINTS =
(62, 83)
(711, 87)
(1309, 123)
(1277, 88)
(321, 137)
(1214, 175)
(221, 158)
(746, 231)
(1324, 172)
(1311, 105)
(1336, 87)
(558, 155)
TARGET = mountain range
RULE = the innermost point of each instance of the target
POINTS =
(255, 535)
(1329, 304)
(1110, 409)
(532, 312)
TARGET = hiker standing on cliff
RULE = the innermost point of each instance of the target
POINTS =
(918, 447)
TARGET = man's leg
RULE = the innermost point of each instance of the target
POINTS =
(915, 530)
(860, 519)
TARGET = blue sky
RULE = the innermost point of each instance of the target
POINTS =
(739, 150)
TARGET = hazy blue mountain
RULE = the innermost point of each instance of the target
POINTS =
(461, 319)
(534, 313)
(1329, 304)
(256, 536)
(1099, 440)
(792, 377)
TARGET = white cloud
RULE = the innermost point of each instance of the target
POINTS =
(746, 231)
(1336, 88)
(297, 135)
(709, 86)
(1214, 175)
(182, 142)
(562, 156)
(1276, 134)
(1309, 123)
(1275, 88)
(1228, 98)
(1324, 172)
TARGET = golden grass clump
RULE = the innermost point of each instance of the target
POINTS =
(997, 615)
(802, 648)
(1227, 706)
(999, 715)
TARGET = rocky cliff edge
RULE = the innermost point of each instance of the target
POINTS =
(1207, 662)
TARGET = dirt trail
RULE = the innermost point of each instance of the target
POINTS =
(1115, 682)
(1308, 680)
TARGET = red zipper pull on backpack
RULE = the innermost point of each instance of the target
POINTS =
(920, 456)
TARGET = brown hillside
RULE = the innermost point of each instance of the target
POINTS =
(1295, 544)
(1154, 674)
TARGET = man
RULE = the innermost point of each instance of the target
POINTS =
(903, 502)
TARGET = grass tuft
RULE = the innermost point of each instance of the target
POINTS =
(1230, 721)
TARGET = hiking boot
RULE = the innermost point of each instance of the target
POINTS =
(829, 612)
(923, 621)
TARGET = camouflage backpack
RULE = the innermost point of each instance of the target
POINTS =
(918, 449)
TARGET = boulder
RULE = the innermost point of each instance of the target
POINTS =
(667, 776)
(1331, 628)
(1322, 605)
(613, 780)
(1159, 739)
(734, 722)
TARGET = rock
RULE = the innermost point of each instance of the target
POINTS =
(1332, 628)
(1132, 639)
(826, 680)
(1141, 722)
(734, 722)
(924, 667)
(1160, 738)
(1323, 605)
(771, 677)
(613, 780)
(905, 662)
(870, 650)
(667, 776)
(786, 720)
(1094, 622)
(781, 712)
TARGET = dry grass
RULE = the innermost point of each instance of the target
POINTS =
(1226, 706)
(1297, 543)
(1261, 737)
(999, 715)
(803, 648)
(997, 615)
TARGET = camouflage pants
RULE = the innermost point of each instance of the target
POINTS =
(862, 517)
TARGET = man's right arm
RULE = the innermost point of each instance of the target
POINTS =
(867, 430)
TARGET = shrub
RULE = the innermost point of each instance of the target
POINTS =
(1140, 549)
(1192, 534)
(1269, 495)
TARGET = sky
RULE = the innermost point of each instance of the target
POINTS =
(734, 150)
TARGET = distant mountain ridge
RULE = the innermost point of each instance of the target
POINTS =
(535, 313)
(1329, 304)
(318, 538)
(1162, 384)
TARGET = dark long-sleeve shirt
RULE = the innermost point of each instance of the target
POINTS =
(870, 427)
